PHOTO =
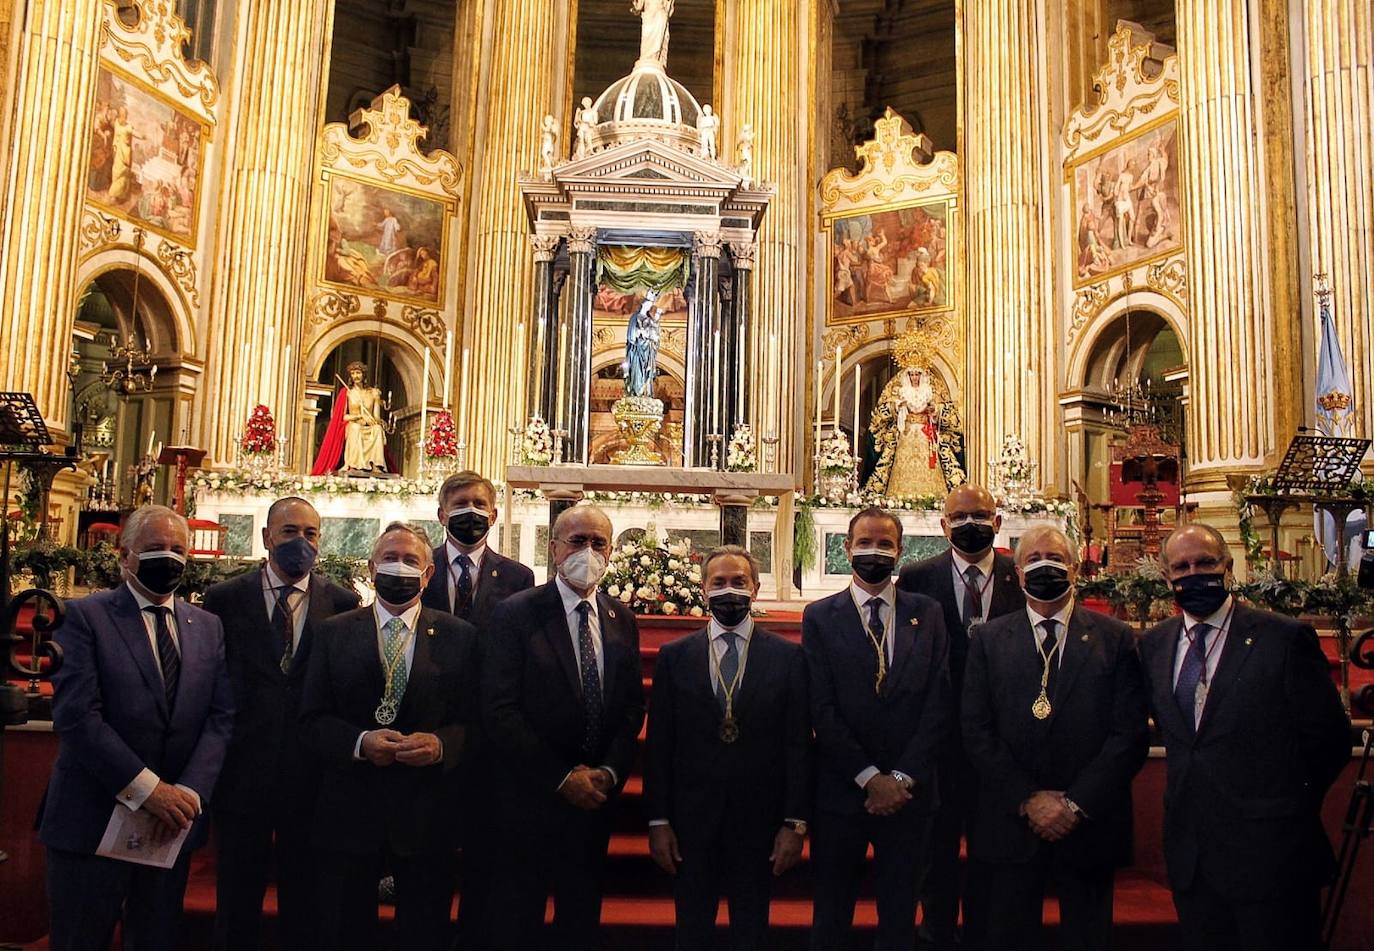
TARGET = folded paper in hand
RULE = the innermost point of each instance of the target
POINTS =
(133, 837)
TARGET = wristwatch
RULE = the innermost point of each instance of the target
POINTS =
(796, 825)
(904, 779)
(1073, 806)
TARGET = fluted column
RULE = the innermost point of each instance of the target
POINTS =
(44, 187)
(259, 289)
(1339, 116)
(1244, 365)
(518, 90)
(769, 90)
(742, 308)
(703, 324)
(1011, 382)
(541, 363)
(577, 369)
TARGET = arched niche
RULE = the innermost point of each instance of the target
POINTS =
(163, 304)
(608, 386)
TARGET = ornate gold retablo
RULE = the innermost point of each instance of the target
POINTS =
(639, 418)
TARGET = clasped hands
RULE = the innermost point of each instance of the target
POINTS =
(1049, 815)
(886, 795)
(663, 849)
(384, 747)
(586, 787)
(173, 808)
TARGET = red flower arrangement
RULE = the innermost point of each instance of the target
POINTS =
(260, 435)
(442, 441)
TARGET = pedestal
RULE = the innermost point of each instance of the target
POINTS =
(734, 518)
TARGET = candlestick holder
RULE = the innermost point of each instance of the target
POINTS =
(715, 439)
(770, 451)
(516, 431)
(558, 436)
(462, 455)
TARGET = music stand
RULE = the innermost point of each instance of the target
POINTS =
(1319, 465)
(184, 458)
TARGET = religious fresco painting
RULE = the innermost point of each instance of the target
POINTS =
(145, 158)
(1127, 203)
(384, 241)
(892, 261)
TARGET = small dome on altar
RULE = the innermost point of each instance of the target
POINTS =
(648, 103)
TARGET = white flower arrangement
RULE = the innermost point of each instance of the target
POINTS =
(742, 453)
(653, 578)
(536, 446)
(834, 455)
(251, 482)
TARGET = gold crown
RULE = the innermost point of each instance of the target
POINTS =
(916, 348)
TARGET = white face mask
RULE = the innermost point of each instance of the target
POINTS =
(583, 569)
(398, 568)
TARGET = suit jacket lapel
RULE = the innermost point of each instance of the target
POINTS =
(1080, 640)
(612, 644)
(699, 670)
(128, 621)
(489, 585)
(556, 630)
(1162, 677)
(316, 613)
(944, 590)
(1234, 653)
(421, 662)
(1004, 587)
(905, 630)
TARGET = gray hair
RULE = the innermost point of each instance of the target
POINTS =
(410, 529)
(731, 551)
(1039, 533)
(140, 518)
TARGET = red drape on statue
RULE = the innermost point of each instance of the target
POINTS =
(331, 450)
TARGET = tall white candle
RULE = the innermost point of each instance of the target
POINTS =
(559, 422)
(288, 378)
(265, 373)
(244, 388)
(857, 371)
(522, 365)
(463, 406)
(771, 385)
(839, 376)
(715, 386)
(152, 434)
(448, 368)
(424, 402)
(819, 365)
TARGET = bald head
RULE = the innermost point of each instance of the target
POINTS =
(1195, 549)
(581, 528)
(970, 521)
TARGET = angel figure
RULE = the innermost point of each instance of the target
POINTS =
(548, 146)
(744, 156)
(586, 129)
(708, 127)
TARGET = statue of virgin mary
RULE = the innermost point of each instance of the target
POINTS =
(653, 37)
(917, 437)
(641, 348)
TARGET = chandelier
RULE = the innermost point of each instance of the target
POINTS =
(133, 369)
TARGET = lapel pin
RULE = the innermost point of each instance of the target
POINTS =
(1085, 638)
(610, 613)
(493, 572)
(429, 632)
(1249, 641)
(915, 622)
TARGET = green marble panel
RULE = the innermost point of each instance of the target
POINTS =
(914, 548)
(541, 546)
(702, 539)
(238, 537)
(433, 529)
(353, 537)
(761, 546)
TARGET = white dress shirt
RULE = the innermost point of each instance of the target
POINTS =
(299, 602)
(886, 612)
(1220, 621)
(986, 565)
(454, 572)
(715, 632)
(141, 787)
(571, 599)
(383, 616)
(1060, 632)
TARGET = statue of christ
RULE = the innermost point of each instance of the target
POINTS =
(653, 37)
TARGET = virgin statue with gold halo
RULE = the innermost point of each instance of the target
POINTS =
(918, 435)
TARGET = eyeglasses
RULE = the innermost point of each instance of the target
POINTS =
(964, 519)
(595, 542)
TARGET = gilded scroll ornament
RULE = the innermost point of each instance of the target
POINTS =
(1088, 303)
(387, 146)
(896, 161)
(154, 46)
(1125, 90)
(98, 230)
(329, 306)
(428, 323)
(1169, 277)
(848, 337)
(181, 266)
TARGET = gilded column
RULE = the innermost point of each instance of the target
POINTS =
(259, 286)
(702, 409)
(1012, 373)
(541, 363)
(1339, 116)
(577, 368)
(768, 90)
(1245, 366)
(526, 57)
(44, 188)
(742, 308)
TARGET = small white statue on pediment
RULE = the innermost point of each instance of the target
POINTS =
(708, 127)
(548, 146)
(586, 129)
(744, 156)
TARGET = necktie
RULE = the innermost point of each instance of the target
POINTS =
(167, 657)
(462, 596)
(729, 666)
(973, 596)
(1051, 629)
(1191, 674)
(395, 661)
(284, 623)
(591, 680)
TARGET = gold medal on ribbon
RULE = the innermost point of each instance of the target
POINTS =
(1041, 708)
(729, 730)
(385, 714)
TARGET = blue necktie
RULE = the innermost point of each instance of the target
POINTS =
(729, 666)
(463, 595)
(1191, 674)
(591, 681)
(167, 657)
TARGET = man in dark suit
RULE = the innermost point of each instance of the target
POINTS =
(469, 582)
(267, 790)
(1054, 720)
(562, 704)
(389, 699)
(878, 661)
(727, 775)
(1254, 735)
(470, 579)
(973, 583)
(143, 711)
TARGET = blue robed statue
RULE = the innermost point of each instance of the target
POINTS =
(641, 348)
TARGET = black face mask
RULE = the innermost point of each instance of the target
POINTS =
(1201, 595)
(396, 589)
(468, 527)
(873, 568)
(295, 557)
(160, 572)
(1047, 582)
(973, 538)
(730, 608)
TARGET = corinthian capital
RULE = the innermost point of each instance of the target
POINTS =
(742, 252)
(582, 241)
(545, 246)
(707, 244)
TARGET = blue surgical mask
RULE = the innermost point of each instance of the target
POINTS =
(295, 556)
